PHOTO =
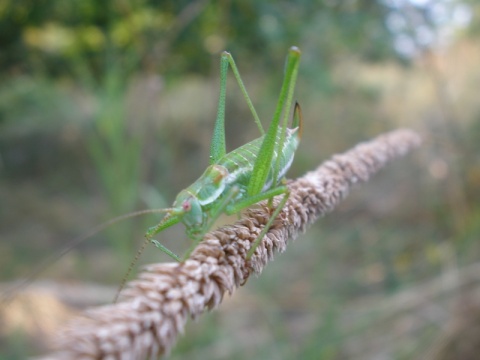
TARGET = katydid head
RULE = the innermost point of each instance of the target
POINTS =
(190, 202)
(188, 209)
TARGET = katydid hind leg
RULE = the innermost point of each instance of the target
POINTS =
(218, 146)
(263, 163)
(297, 122)
(291, 79)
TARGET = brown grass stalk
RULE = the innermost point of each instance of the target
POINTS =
(155, 307)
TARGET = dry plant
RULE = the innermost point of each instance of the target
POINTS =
(155, 307)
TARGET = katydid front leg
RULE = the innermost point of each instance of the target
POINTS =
(166, 222)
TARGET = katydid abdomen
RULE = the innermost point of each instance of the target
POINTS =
(239, 163)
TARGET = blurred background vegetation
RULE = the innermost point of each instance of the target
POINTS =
(107, 107)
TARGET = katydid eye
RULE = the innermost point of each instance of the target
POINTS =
(186, 206)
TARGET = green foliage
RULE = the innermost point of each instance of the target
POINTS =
(175, 37)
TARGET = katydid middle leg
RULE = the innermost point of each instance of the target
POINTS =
(245, 203)
(269, 223)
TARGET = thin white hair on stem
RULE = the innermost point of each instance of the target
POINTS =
(154, 308)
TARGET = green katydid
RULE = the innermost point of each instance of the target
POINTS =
(244, 176)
